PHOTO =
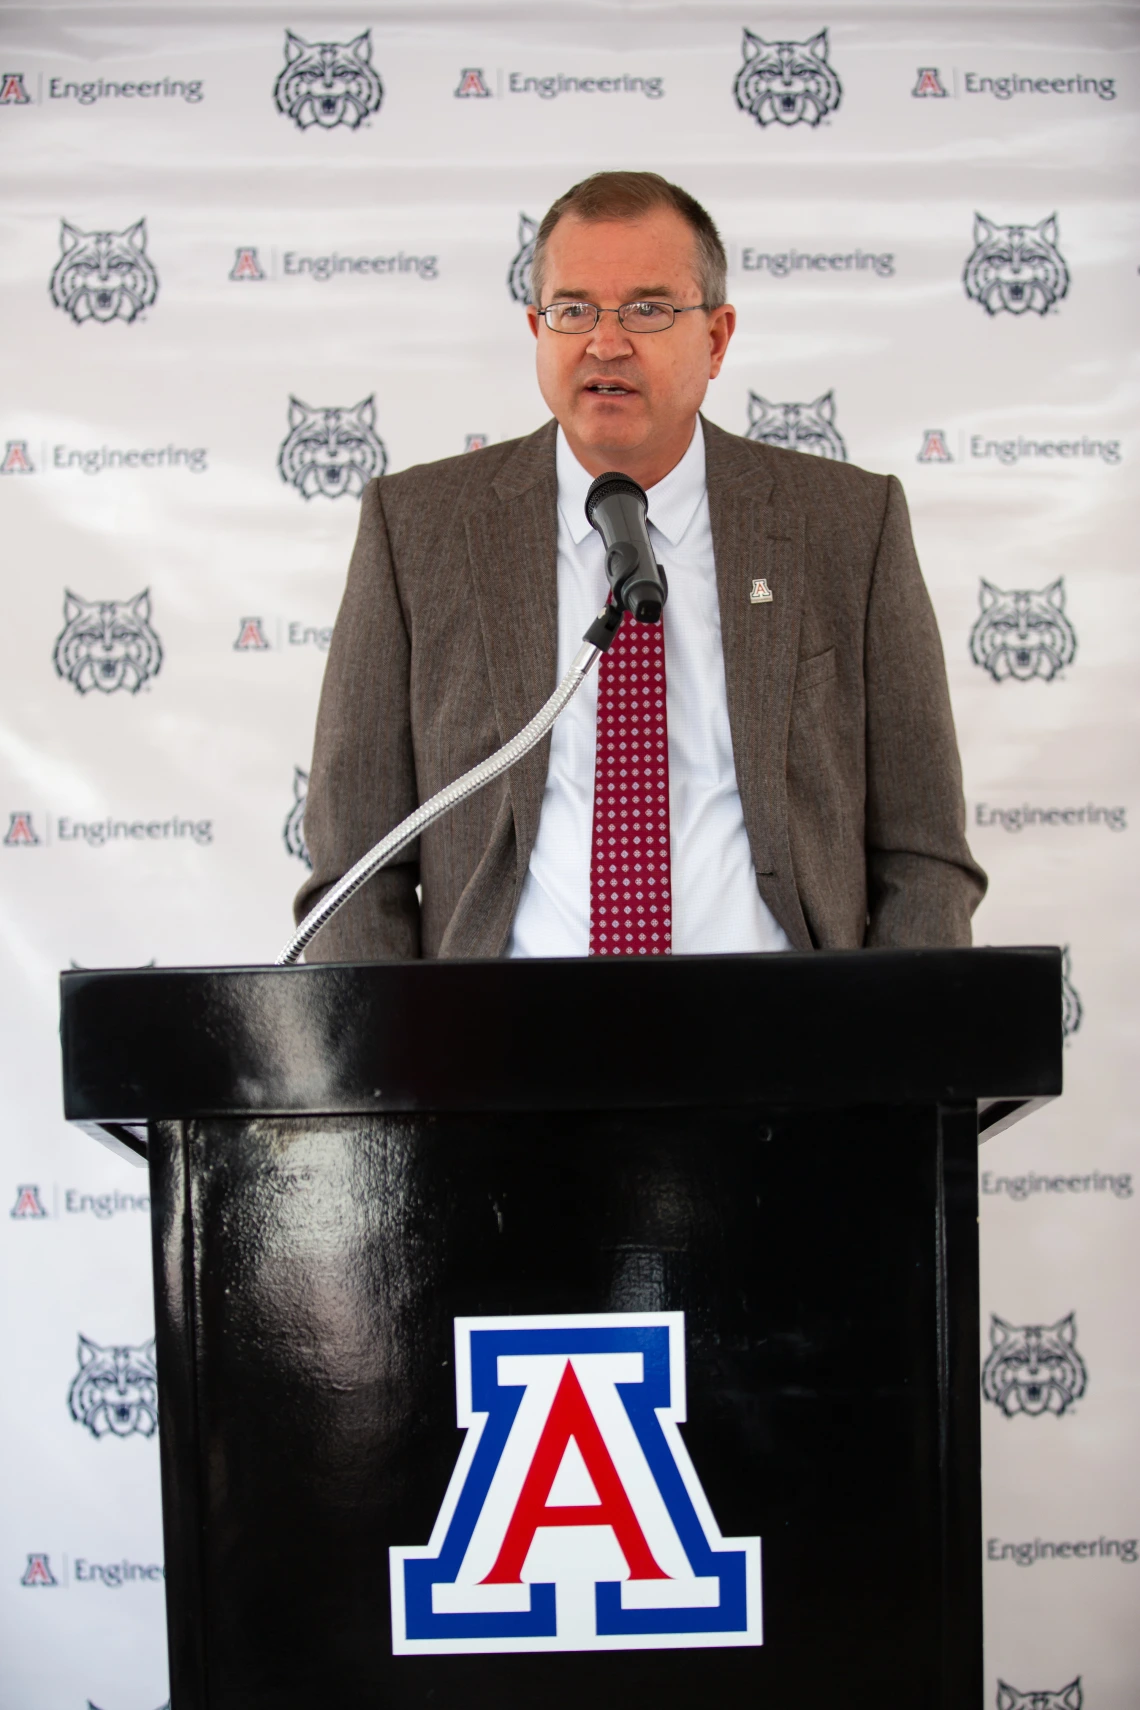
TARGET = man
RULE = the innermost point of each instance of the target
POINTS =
(809, 789)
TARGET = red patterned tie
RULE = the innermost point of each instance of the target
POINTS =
(630, 904)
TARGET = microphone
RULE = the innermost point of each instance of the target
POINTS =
(616, 506)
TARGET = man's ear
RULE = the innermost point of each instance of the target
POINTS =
(722, 325)
(532, 318)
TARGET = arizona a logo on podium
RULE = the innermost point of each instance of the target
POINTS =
(574, 1520)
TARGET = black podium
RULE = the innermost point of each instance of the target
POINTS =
(563, 1333)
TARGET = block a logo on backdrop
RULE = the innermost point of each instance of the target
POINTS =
(574, 1519)
(472, 85)
(1072, 1009)
(251, 637)
(17, 459)
(797, 427)
(1023, 633)
(331, 451)
(115, 1391)
(103, 276)
(38, 1571)
(1015, 268)
(934, 448)
(21, 832)
(1068, 1698)
(787, 83)
(928, 84)
(1033, 1368)
(518, 274)
(12, 90)
(28, 1202)
(328, 83)
(107, 644)
(293, 831)
(246, 265)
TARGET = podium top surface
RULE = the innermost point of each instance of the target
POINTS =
(799, 1028)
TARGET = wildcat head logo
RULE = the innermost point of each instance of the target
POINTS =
(1068, 1698)
(331, 451)
(107, 644)
(103, 276)
(1072, 1010)
(797, 427)
(787, 83)
(115, 1391)
(328, 83)
(518, 275)
(1023, 633)
(293, 830)
(1033, 1368)
(1016, 268)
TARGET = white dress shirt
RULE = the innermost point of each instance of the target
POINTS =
(716, 903)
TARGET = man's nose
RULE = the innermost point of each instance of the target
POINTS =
(609, 339)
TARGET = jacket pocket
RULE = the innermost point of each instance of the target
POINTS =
(815, 670)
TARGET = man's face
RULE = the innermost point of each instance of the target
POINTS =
(628, 400)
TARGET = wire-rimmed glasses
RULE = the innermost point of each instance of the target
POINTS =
(645, 316)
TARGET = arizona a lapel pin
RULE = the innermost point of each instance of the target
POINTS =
(761, 594)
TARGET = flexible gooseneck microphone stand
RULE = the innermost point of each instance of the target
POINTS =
(625, 568)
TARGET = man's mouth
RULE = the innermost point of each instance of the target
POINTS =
(609, 389)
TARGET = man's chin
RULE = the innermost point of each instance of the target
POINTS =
(602, 425)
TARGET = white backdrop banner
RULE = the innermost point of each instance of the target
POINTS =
(252, 258)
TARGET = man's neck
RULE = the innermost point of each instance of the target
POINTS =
(647, 465)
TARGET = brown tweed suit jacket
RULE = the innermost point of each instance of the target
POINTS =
(445, 646)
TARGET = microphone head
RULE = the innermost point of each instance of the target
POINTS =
(612, 485)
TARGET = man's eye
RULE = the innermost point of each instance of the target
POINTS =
(575, 311)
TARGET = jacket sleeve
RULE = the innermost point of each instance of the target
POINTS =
(363, 778)
(923, 885)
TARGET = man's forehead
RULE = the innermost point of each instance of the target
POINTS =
(652, 255)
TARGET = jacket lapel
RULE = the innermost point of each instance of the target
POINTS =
(757, 533)
(512, 541)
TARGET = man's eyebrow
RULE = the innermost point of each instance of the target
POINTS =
(634, 297)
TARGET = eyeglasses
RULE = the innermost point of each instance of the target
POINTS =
(634, 317)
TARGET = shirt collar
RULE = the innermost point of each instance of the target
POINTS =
(672, 502)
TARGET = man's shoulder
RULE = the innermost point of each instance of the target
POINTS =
(820, 484)
(467, 477)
